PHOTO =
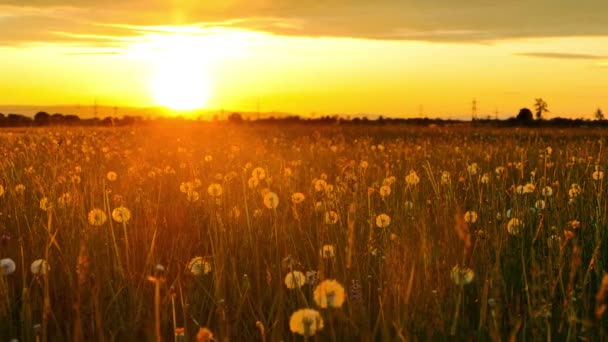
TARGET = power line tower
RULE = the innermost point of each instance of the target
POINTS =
(474, 110)
(95, 108)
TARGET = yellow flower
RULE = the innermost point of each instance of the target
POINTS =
(20, 189)
(472, 169)
(40, 266)
(198, 266)
(192, 196)
(514, 226)
(111, 176)
(44, 203)
(383, 221)
(412, 178)
(320, 185)
(306, 322)
(258, 173)
(445, 178)
(64, 200)
(385, 190)
(97, 217)
(540, 204)
(215, 190)
(329, 293)
(121, 214)
(598, 175)
(185, 187)
(363, 164)
(529, 188)
(331, 217)
(462, 275)
(327, 252)
(470, 217)
(253, 182)
(271, 200)
(547, 191)
(295, 280)
(298, 198)
(1, 190)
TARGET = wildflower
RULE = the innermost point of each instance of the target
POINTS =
(331, 217)
(385, 190)
(111, 176)
(514, 226)
(598, 175)
(462, 275)
(271, 200)
(121, 214)
(215, 190)
(485, 179)
(185, 187)
(472, 169)
(7, 266)
(547, 191)
(192, 196)
(327, 252)
(204, 335)
(445, 178)
(329, 293)
(409, 205)
(470, 217)
(389, 181)
(363, 165)
(75, 179)
(574, 224)
(500, 170)
(208, 158)
(529, 188)
(383, 221)
(258, 173)
(198, 266)
(548, 150)
(44, 203)
(297, 198)
(40, 266)
(412, 178)
(540, 204)
(1, 190)
(306, 322)
(320, 185)
(520, 189)
(180, 332)
(311, 277)
(295, 280)
(575, 190)
(20, 189)
(97, 217)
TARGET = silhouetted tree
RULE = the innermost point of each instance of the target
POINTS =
(42, 119)
(235, 118)
(541, 107)
(525, 115)
(599, 116)
(18, 120)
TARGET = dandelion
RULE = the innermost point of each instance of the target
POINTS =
(385, 190)
(258, 173)
(306, 322)
(185, 187)
(215, 190)
(97, 217)
(540, 204)
(329, 293)
(331, 217)
(311, 277)
(500, 170)
(320, 185)
(208, 158)
(383, 221)
(598, 175)
(547, 191)
(121, 214)
(271, 200)
(1, 190)
(7, 266)
(575, 190)
(574, 224)
(485, 179)
(462, 275)
(363, 165)
(204, 335)
(297, 198)
(520, 189)
(412, 178)
(445, 178)
(472, 169)
(327, 252)
(40, 266)
(192, 196)
(514, 226)
(470, 217)
(19, 189)
(253, 182)
(198, 266)
(548, 150)
(409, 205)
(389, 181)
(295, 280)
(112, 176)
(44, 203)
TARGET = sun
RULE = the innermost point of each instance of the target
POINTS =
(180, 86)
(180, 80)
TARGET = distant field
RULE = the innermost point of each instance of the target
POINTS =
(383, 233)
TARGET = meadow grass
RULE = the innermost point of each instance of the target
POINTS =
(429, 233)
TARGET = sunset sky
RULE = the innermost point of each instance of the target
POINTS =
(390, 57)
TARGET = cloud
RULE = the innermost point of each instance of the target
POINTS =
(560, 55)
(471, 21)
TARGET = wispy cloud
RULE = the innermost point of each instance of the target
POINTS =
(561, 55)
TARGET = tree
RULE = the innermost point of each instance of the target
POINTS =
(525, 115)
(599, 116)
(541, 107)
(42, 118)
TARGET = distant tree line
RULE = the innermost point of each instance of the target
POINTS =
(45, 119)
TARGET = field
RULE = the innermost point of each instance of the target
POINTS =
(382, 233)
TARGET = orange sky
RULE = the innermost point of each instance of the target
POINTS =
(396, 58)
